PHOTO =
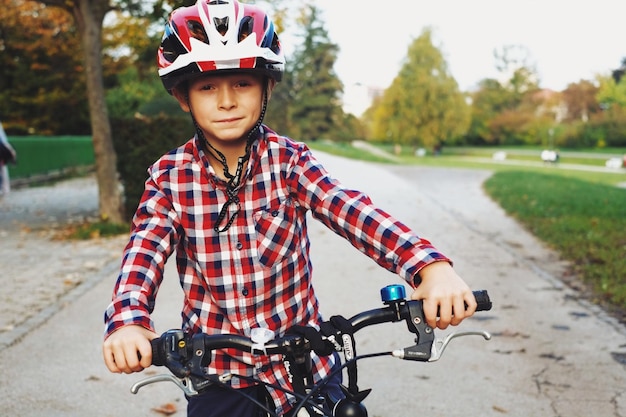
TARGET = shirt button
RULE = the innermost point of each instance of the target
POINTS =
(245, 291)
(239, 245)
(274, 213)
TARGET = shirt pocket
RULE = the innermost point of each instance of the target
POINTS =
(277, 233)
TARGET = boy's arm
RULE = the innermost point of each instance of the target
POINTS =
(128, 325)
(390, 243)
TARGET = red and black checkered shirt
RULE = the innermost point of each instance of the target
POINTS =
(257, 273)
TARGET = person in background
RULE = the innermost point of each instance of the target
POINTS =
(7, 156)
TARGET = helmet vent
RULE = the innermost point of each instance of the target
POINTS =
(221, 24)
(197, 31)
(245, 28)
(275, 46)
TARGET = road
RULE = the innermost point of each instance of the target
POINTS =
(552, 353)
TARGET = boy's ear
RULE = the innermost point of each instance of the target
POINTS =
(182, 98)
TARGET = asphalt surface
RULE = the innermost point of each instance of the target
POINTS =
(552, 353)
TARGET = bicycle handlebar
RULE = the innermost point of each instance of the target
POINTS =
(175, 346)
(187, 356)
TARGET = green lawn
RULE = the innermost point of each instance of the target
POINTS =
(584, 221)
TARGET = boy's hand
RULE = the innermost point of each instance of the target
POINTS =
(442, 289)
(123, 348)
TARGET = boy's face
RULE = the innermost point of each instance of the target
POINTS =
(225, 106)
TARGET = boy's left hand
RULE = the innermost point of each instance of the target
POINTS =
(442, 289)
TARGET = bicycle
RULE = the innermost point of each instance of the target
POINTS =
(186, 355)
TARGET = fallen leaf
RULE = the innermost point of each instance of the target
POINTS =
(168, 409)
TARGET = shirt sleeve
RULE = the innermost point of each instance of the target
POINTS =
(153, 237)
(352, 215)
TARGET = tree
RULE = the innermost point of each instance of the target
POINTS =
(131, 80)
(580, 100)
(41, 72)
(89, 17)
(506, 110)
(423, 106)
(487, 101)
(315, 107)
(518, 75)
(611, 93)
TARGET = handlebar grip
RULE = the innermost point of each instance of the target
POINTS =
(483, 300)
(158, 354)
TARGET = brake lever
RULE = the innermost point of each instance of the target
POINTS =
(440, 345)
(190, 385)
(185, 384)
(417, 353)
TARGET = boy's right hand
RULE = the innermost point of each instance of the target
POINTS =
(128, 349)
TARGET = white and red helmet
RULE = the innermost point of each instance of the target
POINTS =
(216, 35)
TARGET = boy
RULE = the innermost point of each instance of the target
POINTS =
(232, 203)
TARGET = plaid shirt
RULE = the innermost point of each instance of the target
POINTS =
(257, 273)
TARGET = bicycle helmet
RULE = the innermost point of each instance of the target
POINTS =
(216, 35)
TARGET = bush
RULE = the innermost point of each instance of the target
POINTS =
(138, 144)
(615, 127)
(577, 135)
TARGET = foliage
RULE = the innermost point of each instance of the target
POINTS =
(95, 230)
(606, 129)
(612, 93)
(139, 143)
(585, 222)
(610, 130)
(131, 41)
(519, 75)
(41, 71)
(279, 110)
(423, 106)
(580, 100)
(315, 109)
(510, 110)
(132, 94)
(576, 134)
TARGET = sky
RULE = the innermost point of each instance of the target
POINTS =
(567, 40)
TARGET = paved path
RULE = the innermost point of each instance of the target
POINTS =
(552, 353)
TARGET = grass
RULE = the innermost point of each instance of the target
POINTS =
(94, 230)
(581, 214)
(346, 150)
(584, 221)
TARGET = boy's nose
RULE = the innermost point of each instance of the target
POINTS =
(226, 98)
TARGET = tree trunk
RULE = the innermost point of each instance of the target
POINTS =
(89, 15)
